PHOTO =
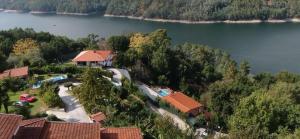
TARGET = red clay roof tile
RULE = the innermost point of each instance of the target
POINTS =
(98, 117)
(42, 129)
(92, 55)
(17, 72)
(8, 125)
(121, 133)
(61, 130)
(38, 122)
(182, 102)
(30, 129)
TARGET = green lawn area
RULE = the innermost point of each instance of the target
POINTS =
(35, 107)
(68, 63)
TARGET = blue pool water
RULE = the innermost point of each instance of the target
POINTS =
(52, 79)
(58, 78)
(163, 92)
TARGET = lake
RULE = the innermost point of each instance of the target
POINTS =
(268, 47)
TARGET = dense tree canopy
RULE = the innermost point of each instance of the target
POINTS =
(264, 105)
(25, 47)
(3, 63)
(267, 111)
(168, 9)
(26, 52)
(123, 107)
(93, 90)
(188, 67)
(4, 98)
(118, 43)
(211, 76)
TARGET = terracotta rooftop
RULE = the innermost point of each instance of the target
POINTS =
(8, 125)
(12, 126)
(98, 117)
(121, 133)
(182, 102)
(61, 130)
(30, 129)
(38, 122)
(17, 72)
(92, 55)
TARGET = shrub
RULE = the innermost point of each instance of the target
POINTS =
(40, 115)
(16, 84)
(48, 87)
(69, 75)
(201, 122)
(24, 111)
(104, 73)
(56, 69)
(163, 80)
(68, 85)
(52, 118)
(163, 104)
(52, 99)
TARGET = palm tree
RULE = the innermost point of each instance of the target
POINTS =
(4, 98)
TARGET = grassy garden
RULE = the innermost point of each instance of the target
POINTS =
(36, 107)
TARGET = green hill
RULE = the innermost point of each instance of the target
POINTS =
(193, 10)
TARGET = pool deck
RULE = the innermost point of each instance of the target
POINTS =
(158, 90)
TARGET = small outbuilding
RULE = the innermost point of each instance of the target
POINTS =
(15, 73)
(184, 103)
(98, 117)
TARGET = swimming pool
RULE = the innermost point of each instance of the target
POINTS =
(58, 78)
(52, 79)
(164, 92)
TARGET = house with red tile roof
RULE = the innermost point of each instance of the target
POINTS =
(15, 73)
(14, 127)
(94, 58)
(184, 103)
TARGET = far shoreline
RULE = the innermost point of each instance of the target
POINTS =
(62, 13)
(48, 12)
(254, 21)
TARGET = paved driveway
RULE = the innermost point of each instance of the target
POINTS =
(148, 91)
(120, 73)
(153, 95)
(177, 121)
(74, 110)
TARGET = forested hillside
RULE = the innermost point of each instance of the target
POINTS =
(193, 10)
(244, 106)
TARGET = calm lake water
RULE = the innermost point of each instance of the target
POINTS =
(268, 47)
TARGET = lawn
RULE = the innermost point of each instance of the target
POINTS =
(36, 107)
